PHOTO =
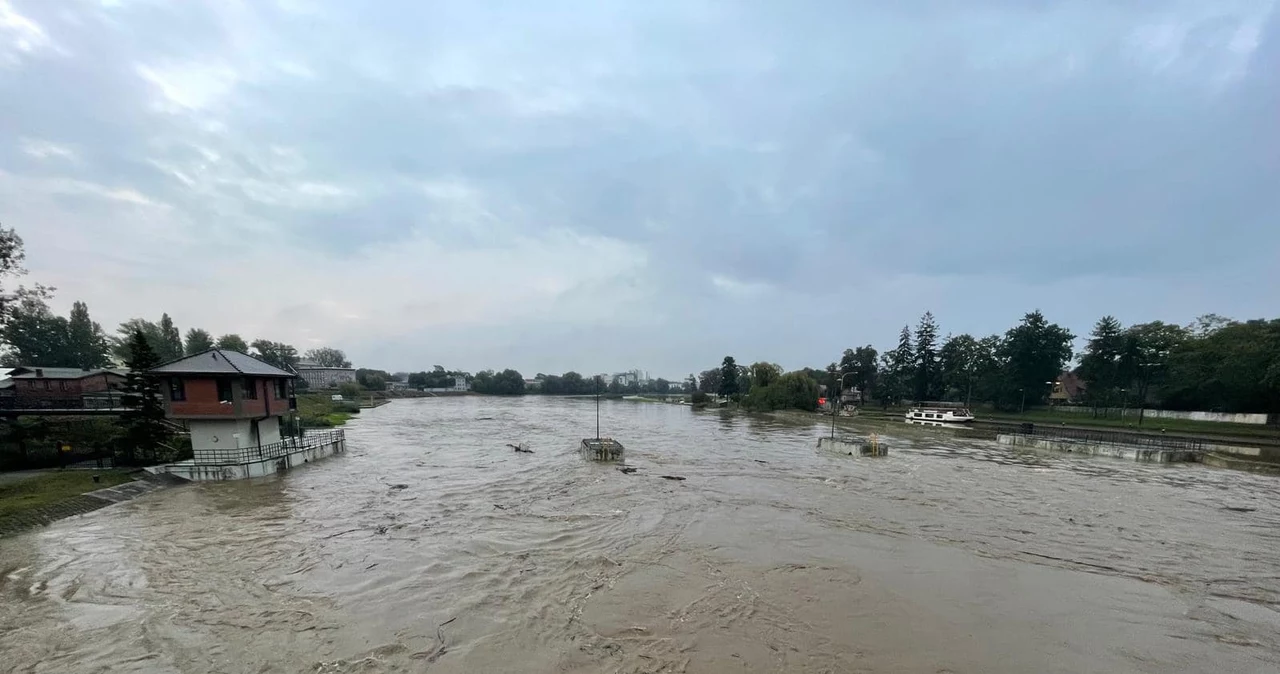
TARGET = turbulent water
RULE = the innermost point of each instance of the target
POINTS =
(431, 546)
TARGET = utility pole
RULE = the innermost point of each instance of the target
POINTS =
(835, 403)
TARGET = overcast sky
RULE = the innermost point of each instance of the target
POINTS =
(604, 185)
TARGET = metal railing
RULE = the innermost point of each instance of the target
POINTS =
(88, 401)
(275, 450)
(1113, 438)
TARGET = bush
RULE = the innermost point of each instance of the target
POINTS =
(793, 390)
(700, 399)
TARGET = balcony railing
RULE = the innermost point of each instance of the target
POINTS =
(275, 450)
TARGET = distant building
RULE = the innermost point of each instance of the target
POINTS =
(397, 386)
(1068, 388)
(35, 387)
(322, 377)
(638, 377)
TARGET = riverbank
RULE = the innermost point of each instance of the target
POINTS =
(319, 410)
(42, 499)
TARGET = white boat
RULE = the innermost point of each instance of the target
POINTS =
(940, 412)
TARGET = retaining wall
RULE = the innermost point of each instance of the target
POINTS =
(1130, 452)
(83, 504)
(191, 470)
(1132, 413)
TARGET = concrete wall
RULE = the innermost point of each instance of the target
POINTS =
(1130, 452)
(269, 430)
(1219, 417)
(192, 471)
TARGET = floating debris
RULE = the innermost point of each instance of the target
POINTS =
(627, 470)
(521, 448)
(672, 477)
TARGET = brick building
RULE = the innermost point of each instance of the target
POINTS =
(35, 387)
(230, 401)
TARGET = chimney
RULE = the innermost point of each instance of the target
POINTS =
(39, 372)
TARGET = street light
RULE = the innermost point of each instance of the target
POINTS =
(1022, 407)
(835, 403)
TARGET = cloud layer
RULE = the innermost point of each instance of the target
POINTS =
(617, 184)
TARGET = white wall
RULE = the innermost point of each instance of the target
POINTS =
(1220, 417)
(269, 430)
(193, 471)
(220, 433)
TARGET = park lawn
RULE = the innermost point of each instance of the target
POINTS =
(317, 410)
(51, 487)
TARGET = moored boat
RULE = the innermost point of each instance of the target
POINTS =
(955, 413)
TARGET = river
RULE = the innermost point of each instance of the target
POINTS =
(430, 546)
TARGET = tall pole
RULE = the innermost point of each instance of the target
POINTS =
(835, 404)
(1022, 408)
(597, 408)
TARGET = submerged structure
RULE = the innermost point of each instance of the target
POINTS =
(234, 406)
(868, 446)
(601, 449)
(598, 448)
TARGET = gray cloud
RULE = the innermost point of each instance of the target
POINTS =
(750, 171)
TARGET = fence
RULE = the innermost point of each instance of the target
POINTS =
(1113, 438)
(275, 450)
(88, 401)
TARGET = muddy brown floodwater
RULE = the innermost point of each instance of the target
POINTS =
(431, 546)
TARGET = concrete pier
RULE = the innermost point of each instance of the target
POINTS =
(854, 446)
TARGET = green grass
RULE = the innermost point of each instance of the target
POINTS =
(46, 488)
(317, 410)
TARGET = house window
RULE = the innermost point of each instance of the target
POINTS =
(48, 385)
(177, 389)
(282, 389)
(62, 386)
(250, 389)
(224, 390)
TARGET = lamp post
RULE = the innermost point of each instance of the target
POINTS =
(1022, 407)
(1124, 403)
(835, 403)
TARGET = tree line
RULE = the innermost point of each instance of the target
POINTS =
(32, 334)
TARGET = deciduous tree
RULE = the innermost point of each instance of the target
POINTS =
(328, 357)
(1034, 352)
(232, 342)
(728, 378)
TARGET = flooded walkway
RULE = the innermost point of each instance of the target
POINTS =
(431, 546)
